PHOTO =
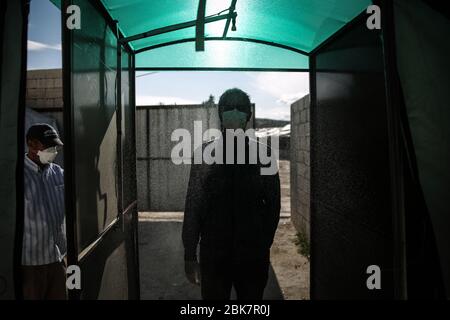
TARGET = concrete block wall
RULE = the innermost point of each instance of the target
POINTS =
(44, 88)
(162, 185)
(45, 93)
(300, 165)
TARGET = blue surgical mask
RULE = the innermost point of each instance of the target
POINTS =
(234, 119)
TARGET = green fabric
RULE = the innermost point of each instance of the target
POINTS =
(300, 24)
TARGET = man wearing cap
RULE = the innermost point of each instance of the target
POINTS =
(44, 234)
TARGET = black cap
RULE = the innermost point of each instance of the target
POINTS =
(45, 133)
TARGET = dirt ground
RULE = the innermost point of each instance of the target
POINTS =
(161, 255)
(161, 261)
(290, 267)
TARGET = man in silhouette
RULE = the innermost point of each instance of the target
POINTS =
(233, 210)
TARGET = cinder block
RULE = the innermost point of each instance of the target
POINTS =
(53, 93)
(41, 103)
(302, 129)
(49, 83)
(33, 93)
(302, 168)
(58, 83)
(303, 144)
(304, 198)
(58, 102)
(301, 156)
(31, 83)
(49, 102)
(297, 118)
(41, 83)
(307, 159)
(307, 172)
(302, 186)
(303, 116)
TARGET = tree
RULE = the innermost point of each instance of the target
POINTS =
(210, 100)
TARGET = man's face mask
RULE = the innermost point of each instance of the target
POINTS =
(234, 119)
(48, 155)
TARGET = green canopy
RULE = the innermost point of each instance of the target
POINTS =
(268, 34)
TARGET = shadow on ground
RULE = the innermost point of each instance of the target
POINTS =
(162, 266)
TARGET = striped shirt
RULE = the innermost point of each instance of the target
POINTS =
(44, 236)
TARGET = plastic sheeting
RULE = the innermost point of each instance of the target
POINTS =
(424, 73)
(222, 54)
(300, 24)
(351, 216)
(106, 252)
(11, 67)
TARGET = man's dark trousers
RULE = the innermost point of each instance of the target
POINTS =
(249, 279)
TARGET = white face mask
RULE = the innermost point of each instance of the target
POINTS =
(48, 155)
(234, 119)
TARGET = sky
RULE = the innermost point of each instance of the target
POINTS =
(272, 92)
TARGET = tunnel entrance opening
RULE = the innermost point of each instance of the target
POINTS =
(368, 161)
(162, 180)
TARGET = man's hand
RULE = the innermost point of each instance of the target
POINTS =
(192, 270)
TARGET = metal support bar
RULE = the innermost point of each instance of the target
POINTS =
(69, 147)
(175, 27)
(220, 69)
(108, 19)
(268, 43)
(313, 126)
(119, 123)
(200, 27)
(227, 25)
(135, 223)
(396, 156)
